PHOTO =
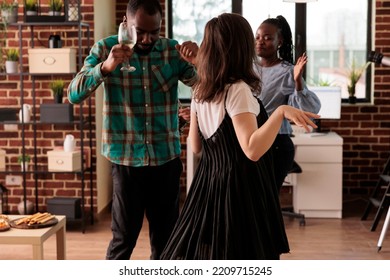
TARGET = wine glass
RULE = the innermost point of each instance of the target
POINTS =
(127, 36)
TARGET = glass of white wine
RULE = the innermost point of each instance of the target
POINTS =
(127, 36)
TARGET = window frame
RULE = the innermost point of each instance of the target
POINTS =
(300, 39)
(300, 46)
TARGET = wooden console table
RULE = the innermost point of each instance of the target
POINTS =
(36, 237)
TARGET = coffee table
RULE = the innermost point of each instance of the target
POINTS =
(36, 237)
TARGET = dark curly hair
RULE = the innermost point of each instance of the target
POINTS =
(286, 50)
(151, 7)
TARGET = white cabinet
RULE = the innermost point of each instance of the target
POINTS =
(317, 191)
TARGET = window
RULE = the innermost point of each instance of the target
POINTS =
(336, 39)
(337, 35)
(188, 21)
(334, 33)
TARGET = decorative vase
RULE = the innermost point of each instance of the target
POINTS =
(25, 113)
(29, 208)
(58, 98)
(351, 91)
(54, 13)
(69, 143)
(9, 16)
(31, 13)
(24, 165)
(11, 67)
(55, 41)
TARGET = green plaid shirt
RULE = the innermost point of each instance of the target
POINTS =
(140, 109)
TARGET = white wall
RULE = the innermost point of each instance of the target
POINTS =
(104, 15)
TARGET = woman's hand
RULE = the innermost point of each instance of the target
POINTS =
(298, 71)
(185, 113)
(299, 117)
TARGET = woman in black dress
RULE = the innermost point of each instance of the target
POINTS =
(232, 210)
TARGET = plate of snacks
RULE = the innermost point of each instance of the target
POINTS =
(37, 220)
(4, 223)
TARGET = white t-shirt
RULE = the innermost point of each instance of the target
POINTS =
(211, 114)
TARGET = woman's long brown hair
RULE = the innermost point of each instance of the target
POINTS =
(226, 55)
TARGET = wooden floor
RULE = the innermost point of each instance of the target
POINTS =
(321, 239)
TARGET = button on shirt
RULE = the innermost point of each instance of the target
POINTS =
(140, 108)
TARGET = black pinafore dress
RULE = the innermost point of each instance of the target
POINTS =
(232, 210)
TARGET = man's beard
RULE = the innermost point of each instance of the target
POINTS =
(140, 51)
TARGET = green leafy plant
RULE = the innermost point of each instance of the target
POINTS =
(324, 83)
(9, 13)
(8, 10)
(320, 82)
(25, 158)
(12, 54)
(56, 5)
(31, 5)
(354, 74)
(57, 87)
(7, 5)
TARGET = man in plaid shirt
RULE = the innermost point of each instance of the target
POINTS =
(140, 134)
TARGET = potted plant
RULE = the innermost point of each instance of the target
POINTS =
(55, 7)
(56, 112)
(24, 160)
(57, 87)
(11, 61)
(31, 7)
(9, 11)
(354, 75)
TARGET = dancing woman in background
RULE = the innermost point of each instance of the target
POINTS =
(282, 84)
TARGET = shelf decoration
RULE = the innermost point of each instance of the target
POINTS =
(57, 112)
(9, 12)
(11, 61)
(73, 8)
(57, 88)
(55, 7)
(31, 7)
(50, 10)
(24, 160)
